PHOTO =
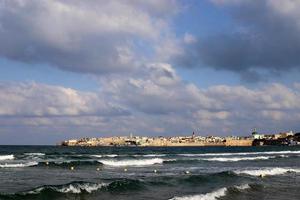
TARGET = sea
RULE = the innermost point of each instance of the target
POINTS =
(162, 173)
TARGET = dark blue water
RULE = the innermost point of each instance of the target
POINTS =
(185, 173)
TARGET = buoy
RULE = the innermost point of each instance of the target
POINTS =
(47, 163)
(187, 172)
(72, 168)
(125, 170)
(98, 169)
(155, 171)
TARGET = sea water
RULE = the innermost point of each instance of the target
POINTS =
(178, 173)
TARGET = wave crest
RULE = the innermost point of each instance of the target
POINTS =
(236, 159)
(267, 171)
(7, 157)
(17, 165)
(130, 162)
(216, 194)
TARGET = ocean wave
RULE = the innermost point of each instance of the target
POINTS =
(105, 155)
(131, 162)
(77, 188)
(200, 179)
(149, 155)
(236, 159)
(216, 194)
(267, 171)
(68, 163)
(17, 165)
(208, 196)
(240, 153)
(34, 154)
(7, 157)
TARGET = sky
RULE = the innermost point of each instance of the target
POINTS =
(73, 69)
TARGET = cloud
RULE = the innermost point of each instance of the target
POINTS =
(39, 100)
(83, 36)
(155, 101)
(264, 41)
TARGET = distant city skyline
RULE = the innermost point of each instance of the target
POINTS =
(73, 69)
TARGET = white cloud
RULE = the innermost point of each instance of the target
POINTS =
(39, 100)
(156, 101)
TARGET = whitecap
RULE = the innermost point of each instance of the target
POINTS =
(74, 188)
(216, 194)
(267, 171)
(105, 155)
(131, 162)
(16, 165)
(243, 187)
(208, 196)
(78, 188)
(34, 154)
(241, 153)
(236, 159)
(7, 157)
(151, 155)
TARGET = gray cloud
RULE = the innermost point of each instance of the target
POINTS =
(265, 40)
(82, 36)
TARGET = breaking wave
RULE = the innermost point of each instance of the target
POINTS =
(216, 194)
(7, 157)
(240, 153)
(267, 171)
(34, 154)
(17, 165)
(74, 188)
(77, 188)
(235, 159)
(69, 163)
(139, 162)
(108, 155)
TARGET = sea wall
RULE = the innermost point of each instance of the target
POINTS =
(238, 142)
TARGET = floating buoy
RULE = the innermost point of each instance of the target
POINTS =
(155, 171)
(72, 168)
(125, 170)
(98, 169)
(187, 172)
(47, 163)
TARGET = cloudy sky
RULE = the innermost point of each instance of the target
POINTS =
(73, 68)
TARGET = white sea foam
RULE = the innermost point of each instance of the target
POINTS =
(243, 187)
(7, 157)
(78, 188)
(151, 155)
(241, 153)
(214, 195)
(34, 154)
(267, 171)
(74, 188)
(106, 155)
(130, 162)
(208, 196)
(16, 165)
(235, 159)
